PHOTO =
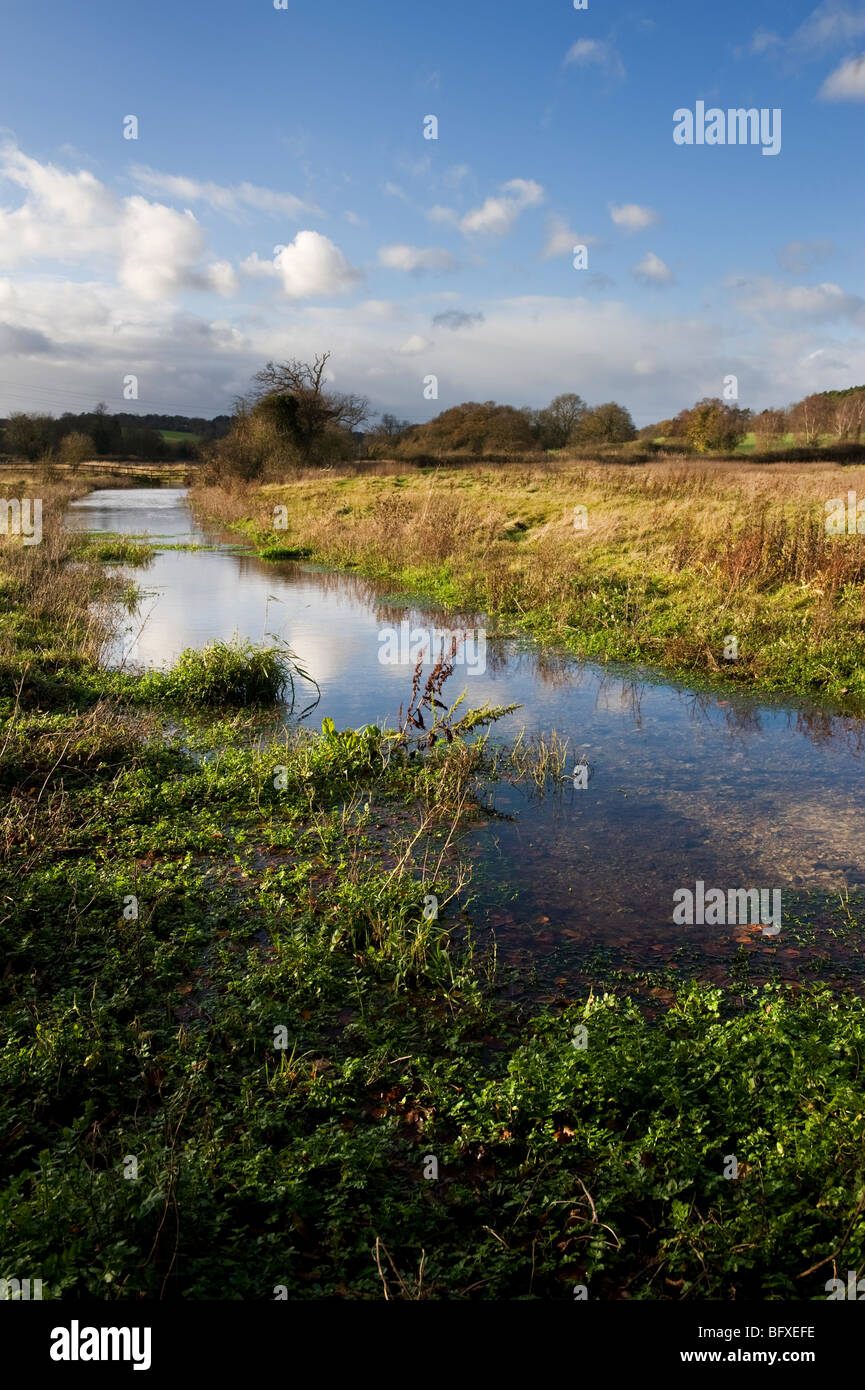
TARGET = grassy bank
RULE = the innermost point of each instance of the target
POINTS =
(241, 1055)
(674, 560)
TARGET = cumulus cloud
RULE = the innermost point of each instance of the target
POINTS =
(415, 258)
(561, 240)
(596, 53)
(310, 265)
(653, 270)
(633, 217)
(496, 216)
(222, 277)
(160, 249)
(72, 217)
(847, 82)
(225, 198)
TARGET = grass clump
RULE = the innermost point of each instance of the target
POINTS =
(228, 675)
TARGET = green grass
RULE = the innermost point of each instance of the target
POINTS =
(117, 550)
(263, 908)
(226, 675)
(186, 891)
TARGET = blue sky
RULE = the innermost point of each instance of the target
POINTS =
(409, 257)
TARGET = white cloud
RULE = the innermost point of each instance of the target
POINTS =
(415, 344)
(633, 217)
(561, 240)
(159, 249)
(223, 197)
(810, 302)
(73, 218)
(454, 176)
(496, 216)
(652, 269)
(415, 258)
(596, 53)
(525, 349)
(847, 82)
(764, 41)
(63, 217)
(222, 277)
(828, 26)
(310, 265)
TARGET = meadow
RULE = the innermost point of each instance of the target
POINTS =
(659, 564)
(239, 1058)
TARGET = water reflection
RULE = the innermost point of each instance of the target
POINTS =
(685, 786)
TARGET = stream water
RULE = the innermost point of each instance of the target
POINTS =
(733, 792)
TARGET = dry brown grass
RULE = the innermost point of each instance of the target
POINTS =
(676, 554)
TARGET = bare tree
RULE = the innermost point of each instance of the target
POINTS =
(305, 381)
(291, 400)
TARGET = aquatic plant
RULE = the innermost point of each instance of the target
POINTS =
(229, 674)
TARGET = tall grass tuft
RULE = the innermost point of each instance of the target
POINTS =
(228, 674)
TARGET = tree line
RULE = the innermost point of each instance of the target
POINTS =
(292, 418)
(836, 417)
(73, 438)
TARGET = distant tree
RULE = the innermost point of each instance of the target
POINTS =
(606, 424)
(847, 416)
(103, 429)
(383, 438)
(143, 443)
(713, 424)
(76, 448)
(559, 422)
(662, 430)
(29, 436)
(769, 426)
(812, 417)
(292, 397)
(475, 428)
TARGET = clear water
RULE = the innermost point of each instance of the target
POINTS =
(736, 792)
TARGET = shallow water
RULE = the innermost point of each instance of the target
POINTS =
(736, 792)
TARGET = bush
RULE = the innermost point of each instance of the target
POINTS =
(75, 448)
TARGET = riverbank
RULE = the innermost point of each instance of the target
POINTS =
(242, 1055)
(719, 574)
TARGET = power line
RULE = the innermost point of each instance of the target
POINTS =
(48, 394)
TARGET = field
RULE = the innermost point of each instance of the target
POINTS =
(665, 564)
(238, 1056)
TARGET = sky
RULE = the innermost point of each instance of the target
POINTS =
(190, 190)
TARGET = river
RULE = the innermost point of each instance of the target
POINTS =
(731, 791)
